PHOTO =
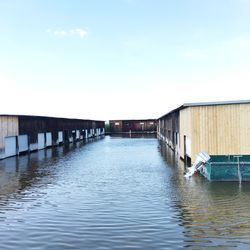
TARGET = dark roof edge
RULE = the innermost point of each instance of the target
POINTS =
(133, 120)
(49, 117)
(172, 111)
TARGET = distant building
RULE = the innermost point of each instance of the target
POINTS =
(133, 126)
(19, 134)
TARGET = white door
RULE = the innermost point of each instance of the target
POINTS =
(41, 141)
(23, 143)
(48, 139)
(188, 146)
(60, 136)
(10, 146)
(77, 134)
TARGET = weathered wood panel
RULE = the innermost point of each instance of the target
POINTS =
(168, 128)
(218, 129)
(126, 126)
(8, 127)
(245, 128)
(32, 125)
(185, 128)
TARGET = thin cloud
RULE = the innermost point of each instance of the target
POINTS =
(73, 32)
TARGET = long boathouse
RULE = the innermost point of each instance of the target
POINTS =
(221, 129)
(20, 134)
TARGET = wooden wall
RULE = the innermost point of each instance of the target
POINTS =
(185, 128)
(218, 130)
(32, 125)
(125, 126)
(8, 127)
(115, 126)
(168, 127)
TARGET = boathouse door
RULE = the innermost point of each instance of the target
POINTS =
(23, 143)
(41, 141)
(10, 146)
(187, 149)
(48, 139)
(77, 134)
(60, 137)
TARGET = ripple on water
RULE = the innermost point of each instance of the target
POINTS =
(117, 194)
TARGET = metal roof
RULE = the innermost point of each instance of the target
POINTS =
(215, 103)
(197, 104)
(174, 110)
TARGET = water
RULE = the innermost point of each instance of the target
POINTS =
(117, 193)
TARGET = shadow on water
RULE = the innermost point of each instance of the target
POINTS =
(213, 214)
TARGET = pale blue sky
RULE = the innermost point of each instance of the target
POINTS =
(121, 59)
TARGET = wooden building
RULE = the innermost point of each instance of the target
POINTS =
(19, 134)
(133, 126)
(218, 128)
(168, 129)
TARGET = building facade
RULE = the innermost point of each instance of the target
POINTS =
(168, 129)
(133, 126)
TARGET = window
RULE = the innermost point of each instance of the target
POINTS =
(117, 123)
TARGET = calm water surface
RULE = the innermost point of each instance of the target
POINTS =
(117, 193)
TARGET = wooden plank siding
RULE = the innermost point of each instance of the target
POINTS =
(168, 128)
(32, 125)
(185, 128)
(133, 126)
(218, 129)
(8, 127)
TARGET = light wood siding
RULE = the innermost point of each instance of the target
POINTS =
(8, 127)
(245, 128)
(185, 128)
(218, 130)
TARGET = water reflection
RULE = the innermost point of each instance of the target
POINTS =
(117, 193)
(18, 174)
(213, 214)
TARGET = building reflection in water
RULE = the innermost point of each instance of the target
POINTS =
(18, 174)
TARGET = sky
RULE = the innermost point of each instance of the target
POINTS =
(121, 59)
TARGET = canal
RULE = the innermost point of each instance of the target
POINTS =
(117, 193)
